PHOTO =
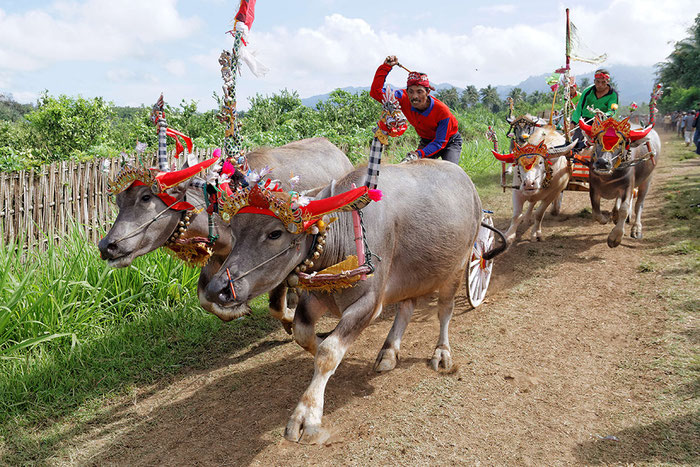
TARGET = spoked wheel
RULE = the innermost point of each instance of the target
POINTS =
(479, 271)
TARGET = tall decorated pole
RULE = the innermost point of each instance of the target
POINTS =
(158, 119)
(567, 80)
(655, 95)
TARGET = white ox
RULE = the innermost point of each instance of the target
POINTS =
(541, 176)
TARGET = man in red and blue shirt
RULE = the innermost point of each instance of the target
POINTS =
(432, 119)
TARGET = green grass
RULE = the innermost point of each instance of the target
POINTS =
(76, 332)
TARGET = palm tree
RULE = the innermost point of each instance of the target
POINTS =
(449, 96)
(490, 99)
(470, 97)
(517, 94)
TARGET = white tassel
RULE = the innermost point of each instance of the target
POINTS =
(255, 65)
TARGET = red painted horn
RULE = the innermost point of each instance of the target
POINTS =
(587, 128)
(508, 158)
(639, 134)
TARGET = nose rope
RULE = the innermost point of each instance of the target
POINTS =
(145, 224)
(294, 243)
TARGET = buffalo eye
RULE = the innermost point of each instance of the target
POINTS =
(146, 198)
(274, 235)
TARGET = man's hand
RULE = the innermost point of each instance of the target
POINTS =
(391, 60)
(411, 156)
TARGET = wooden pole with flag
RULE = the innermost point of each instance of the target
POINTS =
(567, 80)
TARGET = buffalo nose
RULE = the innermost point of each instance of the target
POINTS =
(107, 249)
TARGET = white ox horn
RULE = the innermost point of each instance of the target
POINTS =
(561, 150)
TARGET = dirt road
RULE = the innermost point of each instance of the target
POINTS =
(568, 349)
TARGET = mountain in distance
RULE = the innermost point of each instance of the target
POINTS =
(634, 84)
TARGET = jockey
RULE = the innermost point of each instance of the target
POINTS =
(432, 119)
(600, 95)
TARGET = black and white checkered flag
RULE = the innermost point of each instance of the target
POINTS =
(375, 160)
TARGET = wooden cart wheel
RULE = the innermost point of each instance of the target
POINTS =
(479, 270)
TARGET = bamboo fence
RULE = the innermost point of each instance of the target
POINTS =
(43, 205)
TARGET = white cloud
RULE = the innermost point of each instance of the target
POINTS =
(346, 51)
(93, 30)
(505, 8)
(176, 67)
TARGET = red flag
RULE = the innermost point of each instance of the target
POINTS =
(246, 13)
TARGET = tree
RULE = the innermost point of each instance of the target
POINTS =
(585, 82)
(449, 96)
(470, 97)
(680, 72)
(518, 95)
(490, 99)
(63, 126)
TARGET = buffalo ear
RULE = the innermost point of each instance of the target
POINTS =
(639, 142)
(178, 191)
(324, 192)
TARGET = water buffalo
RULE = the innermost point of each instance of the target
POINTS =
(144, 223)
(421, 235)
(542, 173)
(622, 160)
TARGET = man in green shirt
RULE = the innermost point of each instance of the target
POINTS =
(600, 95)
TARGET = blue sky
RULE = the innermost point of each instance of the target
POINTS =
(129, 51)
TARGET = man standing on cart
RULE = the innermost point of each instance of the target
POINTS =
(601, 96)
(432, 119)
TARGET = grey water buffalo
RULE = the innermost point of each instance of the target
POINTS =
(542, 173)
(420, 234)
(622, 159)
(144, 222)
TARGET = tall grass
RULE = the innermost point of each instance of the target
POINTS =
(72, 328)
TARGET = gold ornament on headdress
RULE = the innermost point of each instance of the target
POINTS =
(278, 203)
(527, 154)
(130, 174)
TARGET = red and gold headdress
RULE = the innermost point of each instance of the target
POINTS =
(527, 154)
(297, 217)
(158, 181)
(610, 132)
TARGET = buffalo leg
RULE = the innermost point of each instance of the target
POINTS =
(442, 357)
(305, 422)
(518, 204)
(309, 311)
(279, 309)
(595, 205)
(556, 205)
(389, 355)
(536, 234)
(615, 236)
(638, 207)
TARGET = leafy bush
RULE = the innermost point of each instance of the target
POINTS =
(64, 126)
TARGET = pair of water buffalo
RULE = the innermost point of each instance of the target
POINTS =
(621, 166)
(421, 235)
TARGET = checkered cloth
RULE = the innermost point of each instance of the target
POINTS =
(198, 183)
(375, 160)
(162, 146)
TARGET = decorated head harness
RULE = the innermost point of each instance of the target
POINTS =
(297, 214)
(611, 133)
(527, 155)
(161, 179)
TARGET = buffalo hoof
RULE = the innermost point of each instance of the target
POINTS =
(441, 359)
(386, 360)
(299, 430)
(636, 232)
(601, 218)
(614, 239)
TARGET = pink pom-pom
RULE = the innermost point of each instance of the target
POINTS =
(216, 153)
(228, 168)
(375, 195)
